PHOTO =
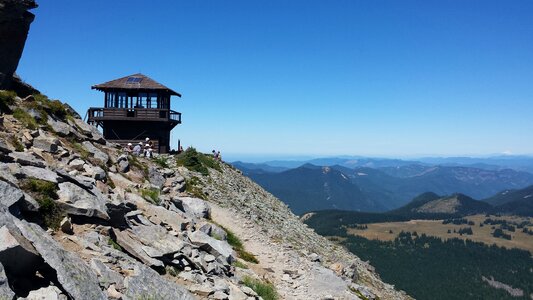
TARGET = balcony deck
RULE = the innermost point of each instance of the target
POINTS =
(98, 114)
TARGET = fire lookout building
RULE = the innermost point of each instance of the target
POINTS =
(136, 107)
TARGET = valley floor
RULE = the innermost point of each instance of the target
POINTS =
(382, 231)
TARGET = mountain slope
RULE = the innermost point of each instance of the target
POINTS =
(90, 218)
(517, 202)
(311, 187)
(458, 204)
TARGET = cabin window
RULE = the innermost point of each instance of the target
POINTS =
(152, 101)
(141, 100)
(122, 100)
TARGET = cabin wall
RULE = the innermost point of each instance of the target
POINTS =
(134, 131)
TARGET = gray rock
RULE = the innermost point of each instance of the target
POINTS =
(145, 282)
(157, 238)
(167, 172)
(314, 257)
(26, 159)
(47, 293)
(81, 181)
(75, 277)
(97, 153)
(133, 247)
(39, 173)
(5, 291)
(4, 147)
(46, 144)
(194, 206)
(214, 231)
(155, 177)
(66, 226)
(62, 129)
(6, 173)
(219, 295)
(78, 201)
(122, 157)
(77, 164)
(180, 179)
(212, 246)
(106, 276)
(95, 172)
(9, 195)
(89, 131)
(123, 166)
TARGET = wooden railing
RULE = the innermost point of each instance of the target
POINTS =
(144, 114)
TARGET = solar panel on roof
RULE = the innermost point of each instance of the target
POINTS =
(134, 80)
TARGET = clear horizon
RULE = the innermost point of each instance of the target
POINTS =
(394, 79)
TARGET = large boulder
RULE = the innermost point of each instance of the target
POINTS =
(5, 291)
(61, 128)
(47, 144)
(26, 159)
(9, 194)
(15, 20)
(97, 153)
(88, 130)
(145, 283)
(75, 277)
(193, 206)
(16, 253)
(212, 246)
(78, 201)
(39, 173)
(155, 177)
(47, 293)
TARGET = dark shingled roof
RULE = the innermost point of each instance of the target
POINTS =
(134, 82)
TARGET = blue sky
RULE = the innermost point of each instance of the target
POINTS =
(315, 78)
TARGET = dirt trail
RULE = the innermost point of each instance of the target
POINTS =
(291, 271)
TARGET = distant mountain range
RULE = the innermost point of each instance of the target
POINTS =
(388, 185)
(515, 162)
(431, 203)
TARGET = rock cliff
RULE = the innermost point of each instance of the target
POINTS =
(81, 219)
(15, 20)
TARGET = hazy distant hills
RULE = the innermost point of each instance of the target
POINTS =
(388, 185)
(310, 187)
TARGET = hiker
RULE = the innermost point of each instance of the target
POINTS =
(149, 142)
(219, 156)
(137, 149)
(180, 149)
(148, 151)
(215, 155)
(129, 148)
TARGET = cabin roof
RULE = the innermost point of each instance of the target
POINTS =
(133, 82)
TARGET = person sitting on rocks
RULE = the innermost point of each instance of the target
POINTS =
(137, 149)
(148, 151)
(129, 148)
(149, 142)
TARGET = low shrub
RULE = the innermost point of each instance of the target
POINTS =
(265, 290)
(114, 244)
(7, 98)
(151, 195)
(16, 143)
(45, 194)
(192, 186)
(196, 161)
(25, 118)
(237, 245)
(161, 161)
(239, 264)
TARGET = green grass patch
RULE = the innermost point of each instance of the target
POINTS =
(16, 143)
(196, 161)
(193, 187)
(7, 98)
(237, 245)
(239, 264)
(84, 153)
(53, 107)
(161, 161)
(151, 195)
(44, 193)
(135, 163)
(114, 244)
(266, 290)
(25, 118)
(172, 271)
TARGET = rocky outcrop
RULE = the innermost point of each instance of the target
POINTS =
(15, 20)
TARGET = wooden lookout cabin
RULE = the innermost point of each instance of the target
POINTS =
(136, 107)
